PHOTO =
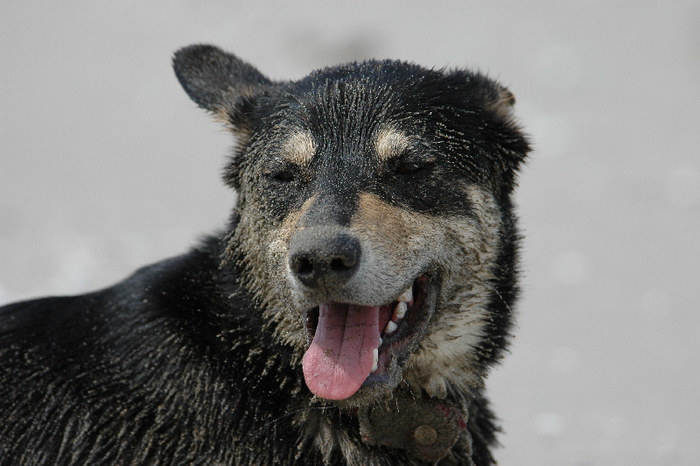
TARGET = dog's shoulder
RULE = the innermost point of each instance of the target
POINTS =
(114, 367)
(173, 362)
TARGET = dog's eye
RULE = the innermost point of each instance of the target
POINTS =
(282, 175)
(415, 165)
(409, 167)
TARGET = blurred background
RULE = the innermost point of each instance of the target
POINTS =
(106, 165)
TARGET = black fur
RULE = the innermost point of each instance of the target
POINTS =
(176, 365)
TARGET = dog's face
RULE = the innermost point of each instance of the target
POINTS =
(372, 217)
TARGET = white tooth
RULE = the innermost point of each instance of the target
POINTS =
(400, 311)
(390, 327)
(406, 296)
(380, 341)
(375, 355)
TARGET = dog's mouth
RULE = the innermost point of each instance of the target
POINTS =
(355, 346)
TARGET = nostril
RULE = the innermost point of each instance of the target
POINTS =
(341, 264)
(303, 266)
(323, 257)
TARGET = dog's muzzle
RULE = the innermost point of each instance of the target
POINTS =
(323, 257)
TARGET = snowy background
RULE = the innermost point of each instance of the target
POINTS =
(105, 165)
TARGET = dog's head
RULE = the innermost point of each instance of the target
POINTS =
(374, 219)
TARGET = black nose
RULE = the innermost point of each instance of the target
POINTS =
(321, 256)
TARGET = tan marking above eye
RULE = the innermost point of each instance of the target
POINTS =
(390, 143)
(299, 148)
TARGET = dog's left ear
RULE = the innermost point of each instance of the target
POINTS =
(502, 101)
(513, 144)
(218, 81)
(509, 145)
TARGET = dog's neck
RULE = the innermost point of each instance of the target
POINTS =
(426, 428)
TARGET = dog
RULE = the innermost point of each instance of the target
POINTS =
(349, 313)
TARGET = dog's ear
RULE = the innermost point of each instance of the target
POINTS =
(494, 103)
(218, 81)
(513, 145)
(502, 101)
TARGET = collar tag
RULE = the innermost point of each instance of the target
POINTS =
(427, 429)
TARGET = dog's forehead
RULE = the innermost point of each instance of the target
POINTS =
(356, 106)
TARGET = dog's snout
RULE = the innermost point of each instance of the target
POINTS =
(321, 257)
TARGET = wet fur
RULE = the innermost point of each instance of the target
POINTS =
(196, 359)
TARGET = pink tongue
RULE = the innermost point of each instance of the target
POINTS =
(340, 357)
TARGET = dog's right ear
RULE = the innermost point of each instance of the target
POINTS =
(218, 81)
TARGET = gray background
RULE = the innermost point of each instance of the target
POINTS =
(106, 165)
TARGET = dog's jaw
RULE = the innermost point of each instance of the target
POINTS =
(395, 331)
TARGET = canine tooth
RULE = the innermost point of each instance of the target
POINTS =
(380, 341)
(375, 356)
(400, 311)
(406, 296)
(390, 327)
